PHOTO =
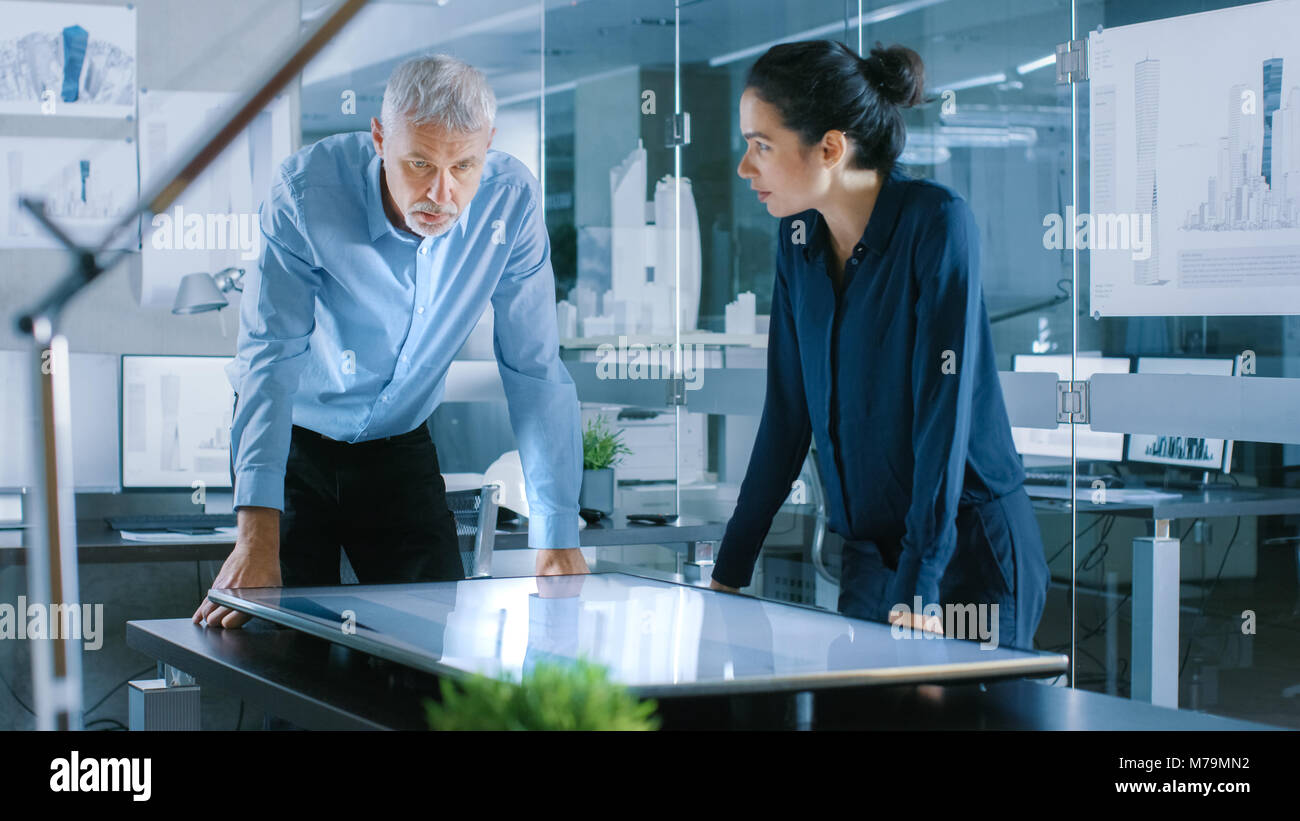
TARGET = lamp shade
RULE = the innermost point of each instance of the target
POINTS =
(198, 293)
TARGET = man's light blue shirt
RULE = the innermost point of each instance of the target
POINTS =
(349, 324)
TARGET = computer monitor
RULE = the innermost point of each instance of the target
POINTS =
(95, 454)
(93, 383)
(176, 417)
(1089, 445)
(1183, 451)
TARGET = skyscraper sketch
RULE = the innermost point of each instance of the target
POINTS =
(1272, 101)
(1236, 162)
(1146, 102)
(1256, 187)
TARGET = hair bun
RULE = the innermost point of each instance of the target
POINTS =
(897, 74)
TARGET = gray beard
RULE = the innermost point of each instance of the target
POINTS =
(424, 231)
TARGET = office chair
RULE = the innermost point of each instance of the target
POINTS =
(475, 512)
(812, 470)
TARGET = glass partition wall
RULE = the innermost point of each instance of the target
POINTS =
(996, 129)
(1153, 428)
(614, 194)
(1186, 126)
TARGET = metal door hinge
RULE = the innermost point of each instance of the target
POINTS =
(1072, 405)
(677, 130)
(1072, 62)
(676, 390)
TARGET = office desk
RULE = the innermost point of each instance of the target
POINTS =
(319, 684)
(692, 537)
(1233, 501)
(1157, 573)
(660, 639)
(99, 543)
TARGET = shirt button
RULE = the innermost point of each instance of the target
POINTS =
(404, 357)
(384, 398)
(420, 310)
(424, 249)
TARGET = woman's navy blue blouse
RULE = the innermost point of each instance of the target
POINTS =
(894, 376)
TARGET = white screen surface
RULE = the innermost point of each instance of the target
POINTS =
(176, 416)
(657, 637)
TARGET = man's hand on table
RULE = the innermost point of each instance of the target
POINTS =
(561, 562)
(255, 562)
(557, 565)
(714, 584)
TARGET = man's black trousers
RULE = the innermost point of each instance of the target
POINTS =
(383, 502)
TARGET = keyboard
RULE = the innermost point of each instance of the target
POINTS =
(172, 521)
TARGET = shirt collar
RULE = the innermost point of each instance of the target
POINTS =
(378, 217)
(880, 227)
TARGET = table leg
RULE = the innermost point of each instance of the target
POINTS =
(1112, 635)
(174, 676)
(803, 710)
(1156, 580)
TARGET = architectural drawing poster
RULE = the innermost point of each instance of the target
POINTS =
(1195, 164)
(87, 186)
(67, 59)
(214, 223)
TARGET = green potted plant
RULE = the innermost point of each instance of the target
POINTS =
(602, 449)
(551, 696)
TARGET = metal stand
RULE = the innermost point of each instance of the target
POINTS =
(697, 564)
(52, 555)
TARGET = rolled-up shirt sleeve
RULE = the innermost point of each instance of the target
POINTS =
(784, 435)
(943, 372)
(276, 319)
(543, 401)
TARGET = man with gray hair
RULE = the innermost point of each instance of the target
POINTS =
(380, 253)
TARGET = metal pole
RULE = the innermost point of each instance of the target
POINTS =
(52, 560)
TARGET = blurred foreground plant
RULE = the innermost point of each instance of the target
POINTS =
(552, 696)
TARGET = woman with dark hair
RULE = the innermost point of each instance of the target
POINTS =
(880, 349)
